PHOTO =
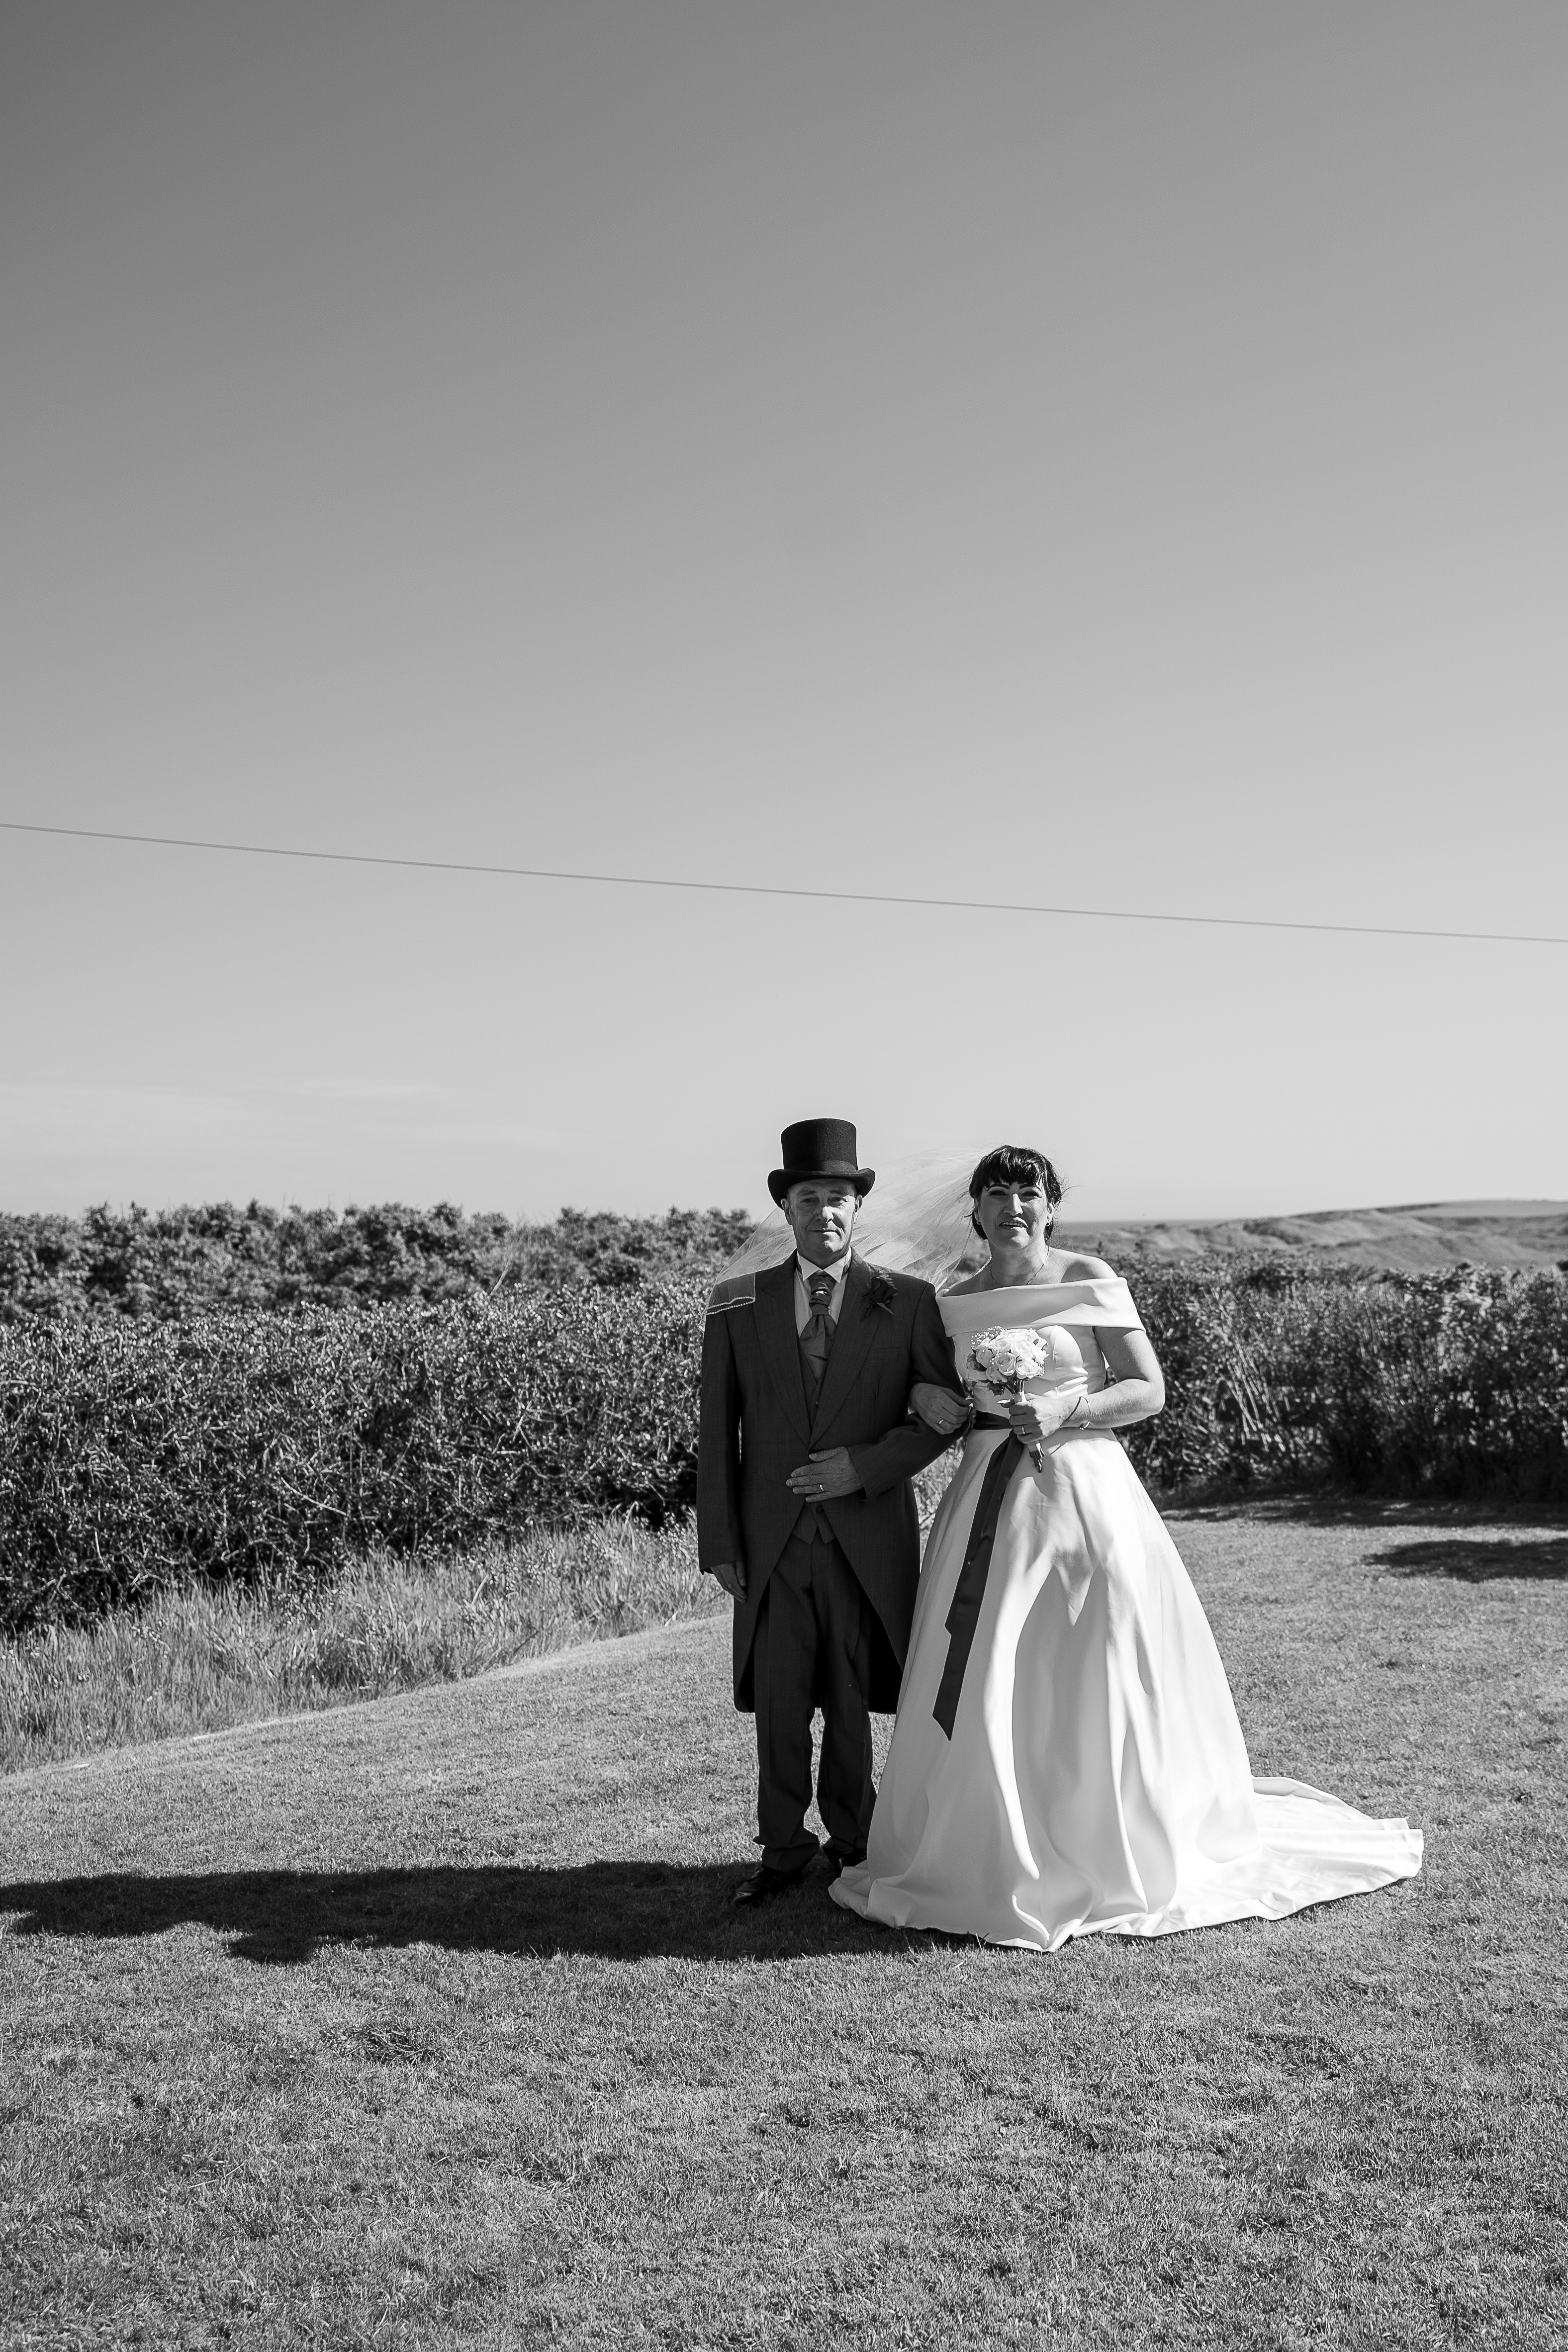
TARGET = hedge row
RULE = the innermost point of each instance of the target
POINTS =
(1449, 1384)
(273, 1447)
(135, 1455)
(193, 1261)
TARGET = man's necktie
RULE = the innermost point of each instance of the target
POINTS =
(818, 1337)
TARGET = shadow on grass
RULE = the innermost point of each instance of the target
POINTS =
(1479, 1560)
(611, 1910)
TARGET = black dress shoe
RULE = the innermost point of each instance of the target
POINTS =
(844, 1857)
(763, 1883)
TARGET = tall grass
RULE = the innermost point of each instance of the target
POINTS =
(204, 1656)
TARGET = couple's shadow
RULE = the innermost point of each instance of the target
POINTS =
(609, 1910)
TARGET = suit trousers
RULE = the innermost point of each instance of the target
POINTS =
(813, 1647)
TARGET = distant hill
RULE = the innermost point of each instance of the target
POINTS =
(1417, 1239)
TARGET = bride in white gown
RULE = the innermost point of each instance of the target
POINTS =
(1067, 1759)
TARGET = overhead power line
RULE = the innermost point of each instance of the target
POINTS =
(785, 889)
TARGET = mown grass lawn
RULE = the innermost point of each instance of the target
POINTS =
(426, 2022)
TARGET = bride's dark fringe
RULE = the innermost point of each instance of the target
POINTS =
(136, 1456)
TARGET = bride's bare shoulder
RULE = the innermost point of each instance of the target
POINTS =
(1077, 1268)
(1063, 1265)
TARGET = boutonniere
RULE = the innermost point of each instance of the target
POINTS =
(879, 1288)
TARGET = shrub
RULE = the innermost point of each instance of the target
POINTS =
(136, 1456)
(193, 1261)
(1449, 1384)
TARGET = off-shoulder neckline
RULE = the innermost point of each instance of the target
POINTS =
(1031, 1289)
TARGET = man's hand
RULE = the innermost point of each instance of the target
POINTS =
(939, 1407)
(825, 1476)
(732, 1575)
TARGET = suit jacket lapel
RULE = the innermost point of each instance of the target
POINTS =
(781, 1342)
(851, 1341)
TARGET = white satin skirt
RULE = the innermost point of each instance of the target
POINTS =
(1097, 1782)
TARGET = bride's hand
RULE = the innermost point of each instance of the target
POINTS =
(938, 1408)
(1037, 1418)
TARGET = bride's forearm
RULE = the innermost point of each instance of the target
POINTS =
(1117, 1406)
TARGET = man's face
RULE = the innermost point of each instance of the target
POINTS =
(821, 1211)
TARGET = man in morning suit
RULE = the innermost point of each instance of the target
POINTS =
(804, 1511)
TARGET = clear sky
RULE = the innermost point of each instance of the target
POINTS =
(1110, 455)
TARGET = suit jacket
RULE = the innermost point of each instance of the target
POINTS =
(755, 1429)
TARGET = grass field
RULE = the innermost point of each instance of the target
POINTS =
(425, 2021)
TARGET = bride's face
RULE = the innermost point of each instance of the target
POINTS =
(1015, 1216)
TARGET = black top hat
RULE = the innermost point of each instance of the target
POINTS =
(819, 1147)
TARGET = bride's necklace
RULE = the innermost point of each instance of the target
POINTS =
(1040, 1280)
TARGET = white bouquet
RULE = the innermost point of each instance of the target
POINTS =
(1002, 1361)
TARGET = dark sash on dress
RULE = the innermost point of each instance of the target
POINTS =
(970, 1591)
